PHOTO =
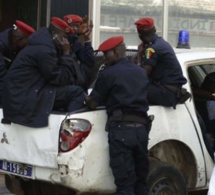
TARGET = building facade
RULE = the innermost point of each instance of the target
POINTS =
(171, 16)
(117, 17)
(38, 13)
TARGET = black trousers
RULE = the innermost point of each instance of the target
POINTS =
(128, 143)
(159, 95)
(69, 98)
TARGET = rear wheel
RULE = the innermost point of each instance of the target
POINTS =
(164, 179)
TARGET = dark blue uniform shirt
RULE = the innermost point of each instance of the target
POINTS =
(166, 68)
(122, 86)
(30, 85)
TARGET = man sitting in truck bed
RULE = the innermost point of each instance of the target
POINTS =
(39, 78)
(158, 58)
(82, 50)
(12, 40)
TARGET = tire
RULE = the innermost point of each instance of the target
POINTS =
(164, 179)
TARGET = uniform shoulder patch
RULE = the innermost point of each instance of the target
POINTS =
(148, 53)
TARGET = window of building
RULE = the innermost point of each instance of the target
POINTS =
(195, 16)
(118, 17)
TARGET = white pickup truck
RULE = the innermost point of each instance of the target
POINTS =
(73, 150)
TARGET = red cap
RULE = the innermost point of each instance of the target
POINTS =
(60, 24)
(111, 43)
(73, 19)
(144, 23)
(24, 28)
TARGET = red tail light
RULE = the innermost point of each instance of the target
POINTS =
(72, 133)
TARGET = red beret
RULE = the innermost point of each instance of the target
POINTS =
(111, 43)
(62, 25)
(144, 23)
(24, 28)
(73, 19)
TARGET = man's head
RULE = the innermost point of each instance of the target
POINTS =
(59, 29)
(20, 34)
(113, 49)
(145, 28)
(74, 21)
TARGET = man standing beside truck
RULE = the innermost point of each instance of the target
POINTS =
(122, 86)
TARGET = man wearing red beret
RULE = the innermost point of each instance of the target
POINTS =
(39, 78)
(121, 86)
(82, 50)
(12, 40)
(158, 58)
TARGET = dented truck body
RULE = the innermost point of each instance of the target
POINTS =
(176, 145)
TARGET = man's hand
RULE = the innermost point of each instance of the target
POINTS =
(141, 48)
(140, 52)
(88, 32)
(91, 103)
(64, 44)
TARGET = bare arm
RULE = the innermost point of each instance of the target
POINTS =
(140, 52)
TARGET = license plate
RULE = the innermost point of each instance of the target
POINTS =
(16, 168)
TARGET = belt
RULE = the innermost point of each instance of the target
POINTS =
(129, 118)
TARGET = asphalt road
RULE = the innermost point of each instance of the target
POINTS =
(199, 193)
(3, 190)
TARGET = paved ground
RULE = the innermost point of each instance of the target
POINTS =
(199, 193)
(3, 189)
(1, 181)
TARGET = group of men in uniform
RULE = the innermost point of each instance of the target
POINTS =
(44, 70)
(53, 70)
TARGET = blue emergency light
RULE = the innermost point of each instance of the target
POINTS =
(183, 39)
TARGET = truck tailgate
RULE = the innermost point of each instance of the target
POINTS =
(34, 146)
